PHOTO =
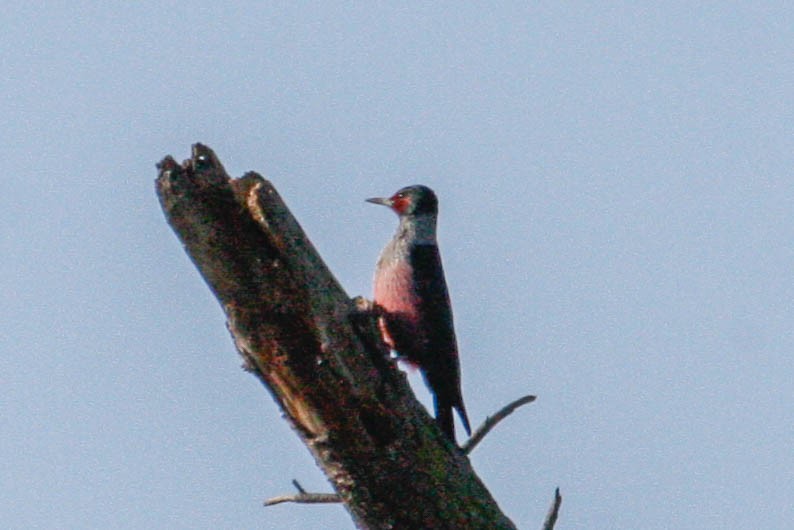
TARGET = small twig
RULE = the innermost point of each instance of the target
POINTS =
(303, 497)
(298, 486)
(491, 421)
(551, 518)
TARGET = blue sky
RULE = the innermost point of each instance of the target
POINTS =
(616, 227)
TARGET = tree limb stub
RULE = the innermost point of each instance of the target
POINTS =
(301, 335)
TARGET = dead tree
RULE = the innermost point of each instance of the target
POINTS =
(319, 354)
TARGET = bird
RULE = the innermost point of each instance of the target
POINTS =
(411, 297)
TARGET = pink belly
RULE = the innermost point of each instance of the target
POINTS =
(394, 293)
(394, 290)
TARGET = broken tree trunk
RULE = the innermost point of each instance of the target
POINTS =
(319, 355)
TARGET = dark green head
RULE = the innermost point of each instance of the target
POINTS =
(411, 200)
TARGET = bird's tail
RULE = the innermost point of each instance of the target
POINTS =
(445, 419)
(464, 418)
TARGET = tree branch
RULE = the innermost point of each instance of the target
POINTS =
(551, 517)
(303, 497)
(491, 422)
(299, 333)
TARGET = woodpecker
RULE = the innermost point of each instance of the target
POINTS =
(411, 293)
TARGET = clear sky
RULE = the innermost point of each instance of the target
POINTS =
(616, 226)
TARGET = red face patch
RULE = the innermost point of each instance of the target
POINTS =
(399, 202)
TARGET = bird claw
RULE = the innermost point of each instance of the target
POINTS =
(362, 305)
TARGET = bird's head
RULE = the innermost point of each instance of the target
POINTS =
(410, 201)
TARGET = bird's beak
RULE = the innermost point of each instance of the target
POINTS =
(380, 200)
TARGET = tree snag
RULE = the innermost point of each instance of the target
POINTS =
(319, 355)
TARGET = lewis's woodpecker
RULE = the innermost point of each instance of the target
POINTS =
(411, 293)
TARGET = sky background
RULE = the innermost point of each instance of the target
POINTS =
(616, 195)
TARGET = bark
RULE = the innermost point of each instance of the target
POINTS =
(319, 354)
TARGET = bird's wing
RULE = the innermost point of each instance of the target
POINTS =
(434, 306)
(440, 365)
